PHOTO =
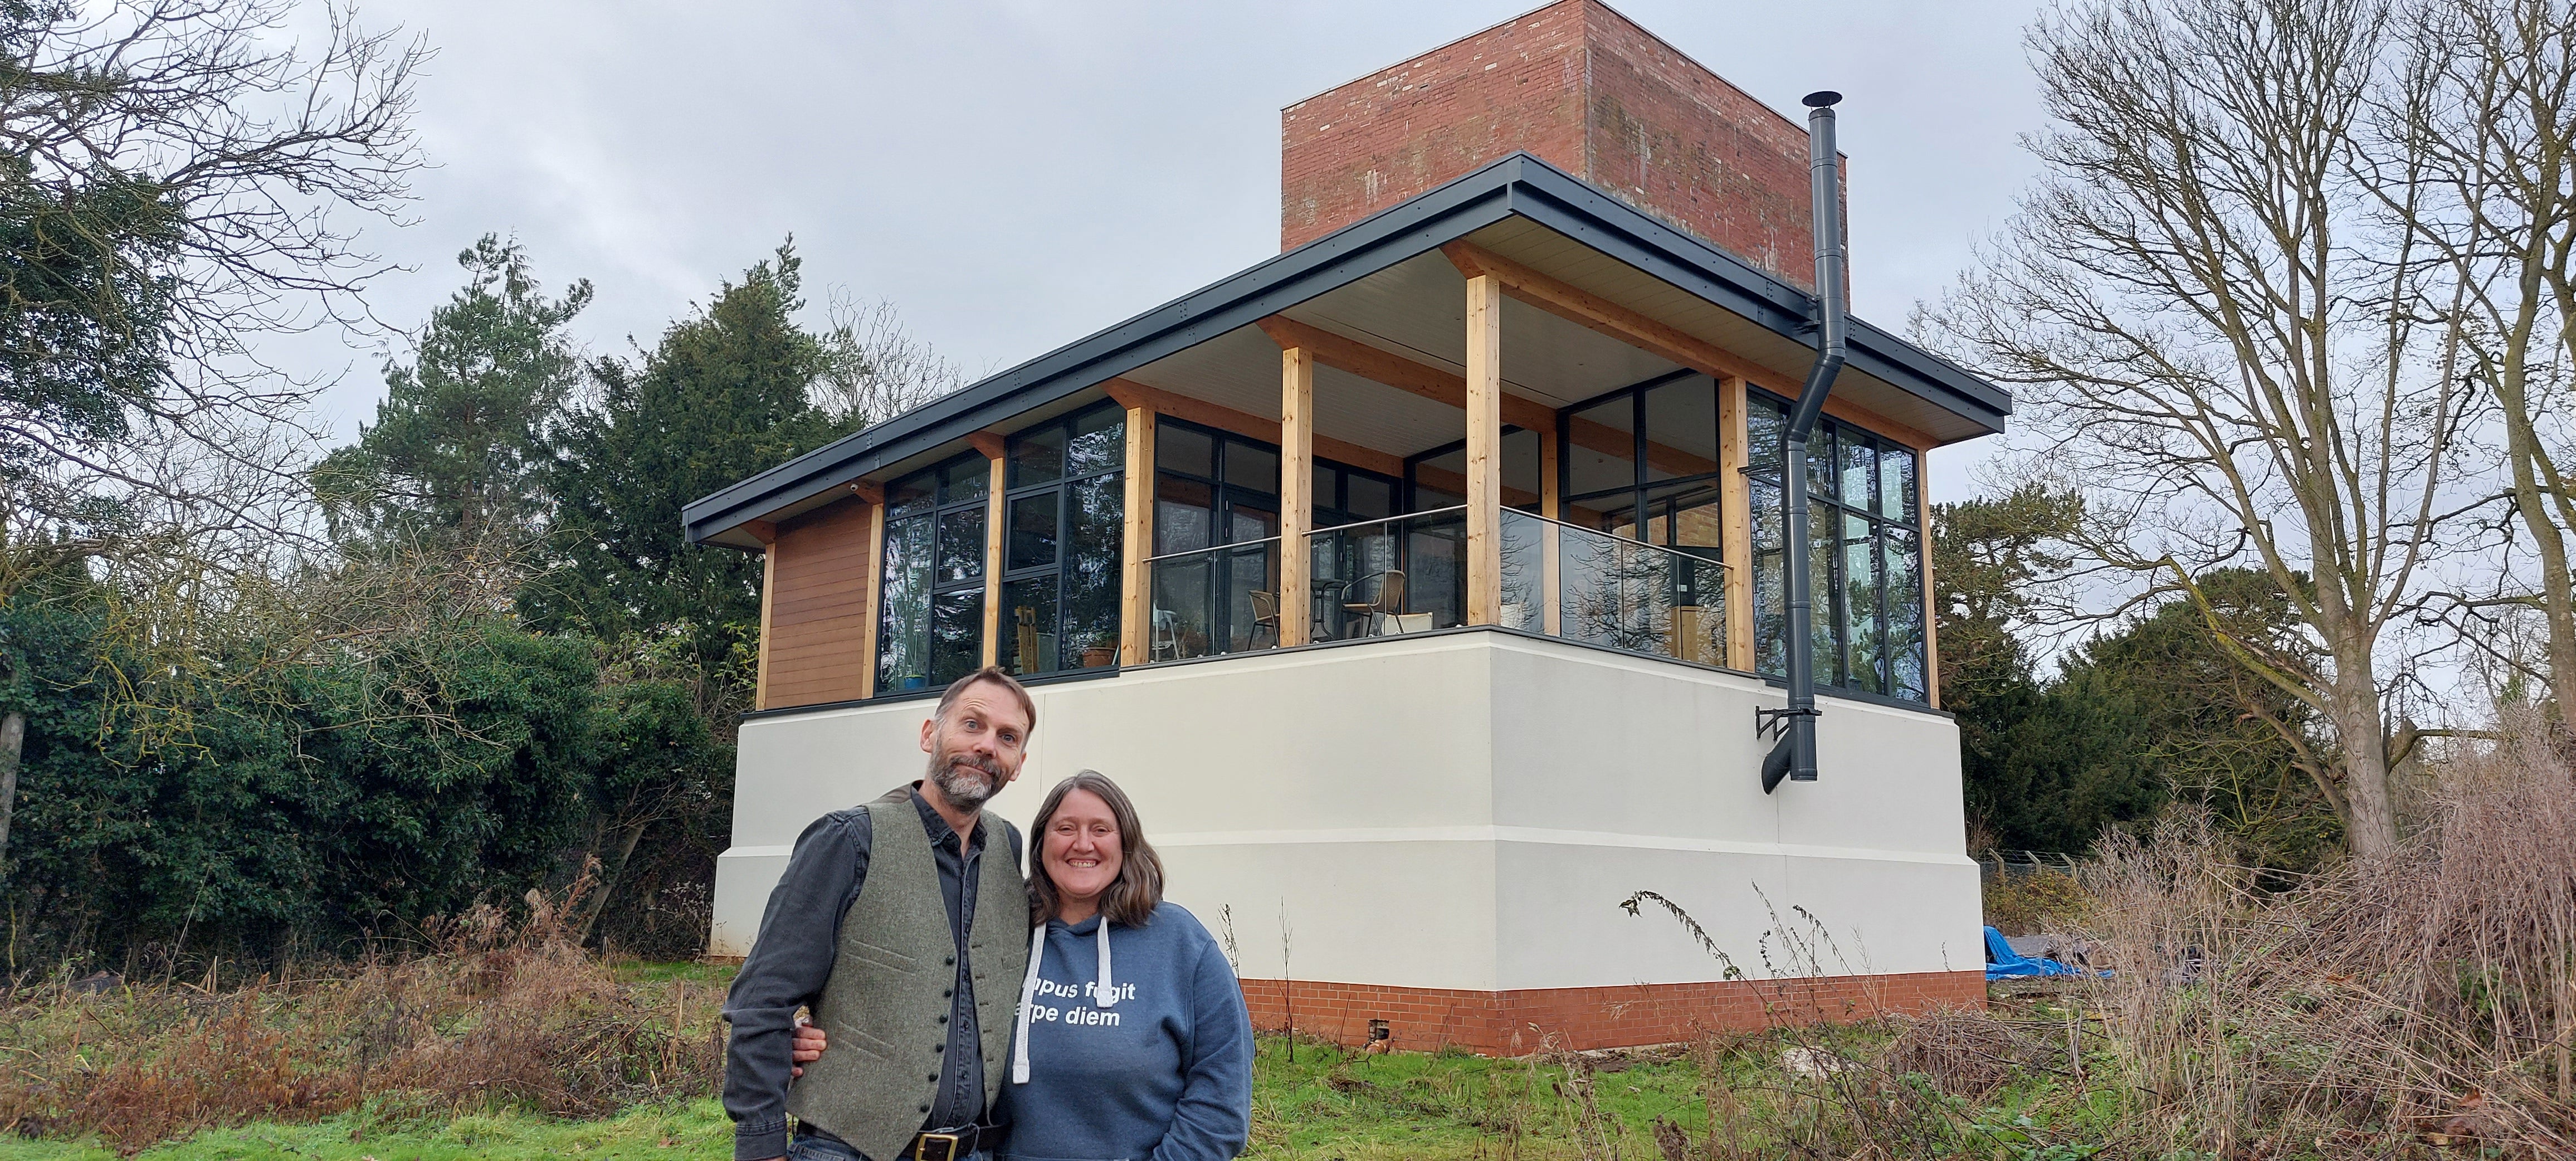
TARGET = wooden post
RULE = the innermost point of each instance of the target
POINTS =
(1135, 585)
(874, 497)
(768, 585)
(1735, 514)
(1484, 450)
(995, 535)
(1296, 491)
(1551, 538)
(1931, 617)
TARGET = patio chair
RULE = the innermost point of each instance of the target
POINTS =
(1265, 616)
(1165, 643)
(1385, 598)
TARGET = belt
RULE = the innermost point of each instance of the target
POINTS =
(952, 1144)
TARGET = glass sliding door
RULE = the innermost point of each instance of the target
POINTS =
(1641, 464)
(1215, 571)
(1061, 553)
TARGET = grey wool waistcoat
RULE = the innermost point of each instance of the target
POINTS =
(885, 1008)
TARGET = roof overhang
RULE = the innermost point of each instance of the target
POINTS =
(1538, 213)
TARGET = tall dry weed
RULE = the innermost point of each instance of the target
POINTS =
(2379, 1007)
(494, 1014)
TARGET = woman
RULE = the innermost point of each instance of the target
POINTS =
(1132, 1041)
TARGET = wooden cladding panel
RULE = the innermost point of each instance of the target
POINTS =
(821, 576)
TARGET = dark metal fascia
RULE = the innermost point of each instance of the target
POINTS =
(1565, 204)
(1454, 210)
(1519, 183)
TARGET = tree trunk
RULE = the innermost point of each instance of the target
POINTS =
(2528, 461)
(2370, 817)
(13, 739)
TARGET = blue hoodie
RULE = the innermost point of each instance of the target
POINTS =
(1163, 1072)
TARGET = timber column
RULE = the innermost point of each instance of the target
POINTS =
(1484, 450)
(1735, 508)
(995, 535)
(1296, 491)
(872, 495)
(1136, 543)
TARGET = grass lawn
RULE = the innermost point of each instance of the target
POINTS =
(696, 1130)
(1327, 1104)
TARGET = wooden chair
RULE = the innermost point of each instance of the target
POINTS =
(1265, 615)
(1385, 599)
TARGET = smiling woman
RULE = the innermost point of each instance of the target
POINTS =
(1154, 1058)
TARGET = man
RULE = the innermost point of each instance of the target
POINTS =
(905, 931)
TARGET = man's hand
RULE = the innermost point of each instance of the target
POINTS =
(808, 1046)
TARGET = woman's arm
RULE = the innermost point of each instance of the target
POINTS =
(1213, 1120)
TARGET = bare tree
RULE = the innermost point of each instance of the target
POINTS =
(177, 179)
(2224, 338)
(874, 368)
(2492, 116)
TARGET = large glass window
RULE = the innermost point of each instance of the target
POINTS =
(1216, 529)
(1642, 464)
(1061, 547)
(1865, 553)
(930, 627)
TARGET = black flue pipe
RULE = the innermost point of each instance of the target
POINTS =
(1794, 757)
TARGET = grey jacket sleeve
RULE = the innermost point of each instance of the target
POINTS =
(788, 965)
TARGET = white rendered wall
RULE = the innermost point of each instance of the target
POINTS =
(1461, 810)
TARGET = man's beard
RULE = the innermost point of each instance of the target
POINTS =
(966, 780)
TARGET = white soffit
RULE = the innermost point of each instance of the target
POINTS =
(1240, 369)
(1544, 250)
(1418, 309)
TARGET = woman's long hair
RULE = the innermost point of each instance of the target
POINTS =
(1138, 889)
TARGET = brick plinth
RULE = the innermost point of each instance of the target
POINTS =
(1580, 87)
(1514, 1022)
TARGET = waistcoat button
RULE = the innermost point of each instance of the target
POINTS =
(943, 1017)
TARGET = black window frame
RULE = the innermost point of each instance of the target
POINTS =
(1827, 515)
(1062, 485)
(1644, 492)
(942, 506)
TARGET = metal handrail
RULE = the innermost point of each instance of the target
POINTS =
(1212, 548)
(1666, 548)
(1388, 519)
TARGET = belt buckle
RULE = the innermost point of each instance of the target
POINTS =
(921, 1146)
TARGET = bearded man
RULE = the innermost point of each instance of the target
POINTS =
(906, 934)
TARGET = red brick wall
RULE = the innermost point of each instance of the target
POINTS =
(1511, 1023)
(1580, 87)
(1379, 140)
(1674, 140)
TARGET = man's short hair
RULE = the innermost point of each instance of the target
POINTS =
(998, 676)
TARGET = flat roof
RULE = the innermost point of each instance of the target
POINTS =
(1947, 402)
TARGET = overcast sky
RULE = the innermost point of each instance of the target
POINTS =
(1014, 176)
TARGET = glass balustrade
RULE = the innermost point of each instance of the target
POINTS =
(1381, 578)
(1408, 574)
(1612, 591)
(1214, 600)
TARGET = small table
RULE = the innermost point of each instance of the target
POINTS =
(1328, 613)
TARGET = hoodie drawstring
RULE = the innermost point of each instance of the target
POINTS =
(1105, 995)
(1028, 992)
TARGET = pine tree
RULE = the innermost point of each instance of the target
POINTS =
(725, 394)
(451, 465)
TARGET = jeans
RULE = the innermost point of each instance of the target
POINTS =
(826, 1149)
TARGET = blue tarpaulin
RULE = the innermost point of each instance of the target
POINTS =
(2003, 962)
